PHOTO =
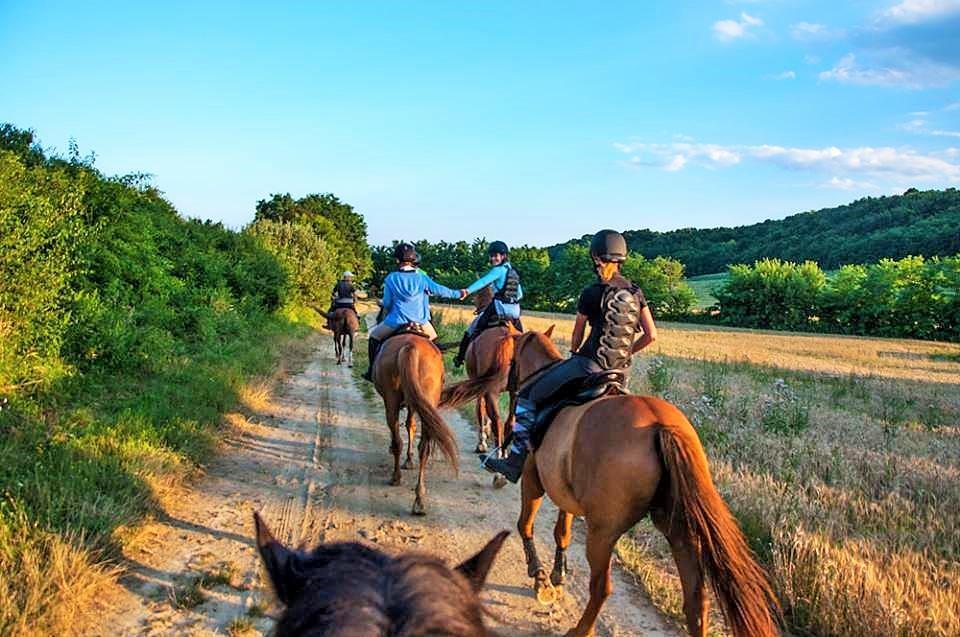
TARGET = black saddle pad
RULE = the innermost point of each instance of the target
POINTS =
(578, 392)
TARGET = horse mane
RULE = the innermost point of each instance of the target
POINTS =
(352, 589)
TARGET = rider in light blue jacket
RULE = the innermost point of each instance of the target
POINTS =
(406, 300)
(507, 293)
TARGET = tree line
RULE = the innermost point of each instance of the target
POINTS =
(864, 231)
(913, 297)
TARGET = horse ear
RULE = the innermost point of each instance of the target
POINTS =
(278, 560)
(549, 332)
(477, 567)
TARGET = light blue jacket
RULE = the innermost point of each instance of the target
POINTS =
(405, 297)
(497, 278)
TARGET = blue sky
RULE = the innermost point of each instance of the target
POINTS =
(531, 122)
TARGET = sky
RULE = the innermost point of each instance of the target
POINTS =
(531, 122)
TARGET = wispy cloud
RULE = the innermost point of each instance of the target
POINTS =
(846, 167)
(809, 31)
(784, 75)
(917, 11)
(729, 30)
(894, 68)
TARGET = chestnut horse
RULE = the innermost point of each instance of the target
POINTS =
(615, 460)
(488, 358)
(409, 372)
(347, 588)
(345, 324)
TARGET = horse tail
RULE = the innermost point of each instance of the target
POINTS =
(739, 583)
(472, 388)
(434, 430)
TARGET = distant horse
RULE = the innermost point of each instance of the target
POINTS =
(345, 324)
(409, 371)
(346, 588)
(613, 461)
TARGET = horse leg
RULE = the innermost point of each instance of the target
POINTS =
(411, 435)
(392, 406)
(511, 415)
(696, 604)
(419, 507)
(350, 351)
(481, 428)
(600, 543)
(531, 497)
(562, 533)
(493, 413)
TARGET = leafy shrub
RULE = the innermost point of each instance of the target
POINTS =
(311, 267)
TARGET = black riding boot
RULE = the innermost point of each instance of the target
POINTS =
(373, 347)
(511, 467)
(462, 352)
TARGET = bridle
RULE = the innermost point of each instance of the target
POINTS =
(513, 381)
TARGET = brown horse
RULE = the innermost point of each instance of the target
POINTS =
(345, 324)
(615, 460)
(488, 358)
(347, 588)
(409, 371)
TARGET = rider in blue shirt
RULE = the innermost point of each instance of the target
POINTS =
(507, 293)
(406, 301)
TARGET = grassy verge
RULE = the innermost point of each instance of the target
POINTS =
(90, 455)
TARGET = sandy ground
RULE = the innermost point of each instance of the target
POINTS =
(316, 463)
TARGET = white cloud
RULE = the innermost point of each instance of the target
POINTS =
(846, 183)
(729, 30)
(785, 75)
(811, 59)
(917, 11)
(808, 31)
(903, 70)
(952, 107)
(944, 133)
(846, 167)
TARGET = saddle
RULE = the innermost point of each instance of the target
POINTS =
(577, 392)
(409, 328)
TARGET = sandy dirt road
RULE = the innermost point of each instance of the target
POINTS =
(316, 463)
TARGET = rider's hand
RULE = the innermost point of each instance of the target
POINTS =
(464, 294)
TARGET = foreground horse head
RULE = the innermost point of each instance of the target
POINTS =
(409, 371)
(351, 589)
(616, 460)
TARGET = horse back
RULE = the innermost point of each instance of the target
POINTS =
(600, 459)
(387, 369)
(482, 356)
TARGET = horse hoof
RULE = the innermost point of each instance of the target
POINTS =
(408, 464)
(499, 481)
(395, 482)
(481, 448)
(418, 508)
(546, 594)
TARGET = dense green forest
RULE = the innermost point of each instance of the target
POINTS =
(916, 223)
(125, 331)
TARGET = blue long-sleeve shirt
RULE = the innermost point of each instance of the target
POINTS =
(497, 276)
(405, 297)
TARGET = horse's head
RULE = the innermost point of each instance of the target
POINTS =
(483, 298)
(347, 588)
(533, 351)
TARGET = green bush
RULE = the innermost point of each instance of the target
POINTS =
(310, 265)
(772, 294)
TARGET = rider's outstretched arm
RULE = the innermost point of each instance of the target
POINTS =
(496, 274)
(439, 290)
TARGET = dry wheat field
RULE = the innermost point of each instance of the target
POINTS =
(840, 457)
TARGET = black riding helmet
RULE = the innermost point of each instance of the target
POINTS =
(404, 251)
(498, 247)
(609, 246)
